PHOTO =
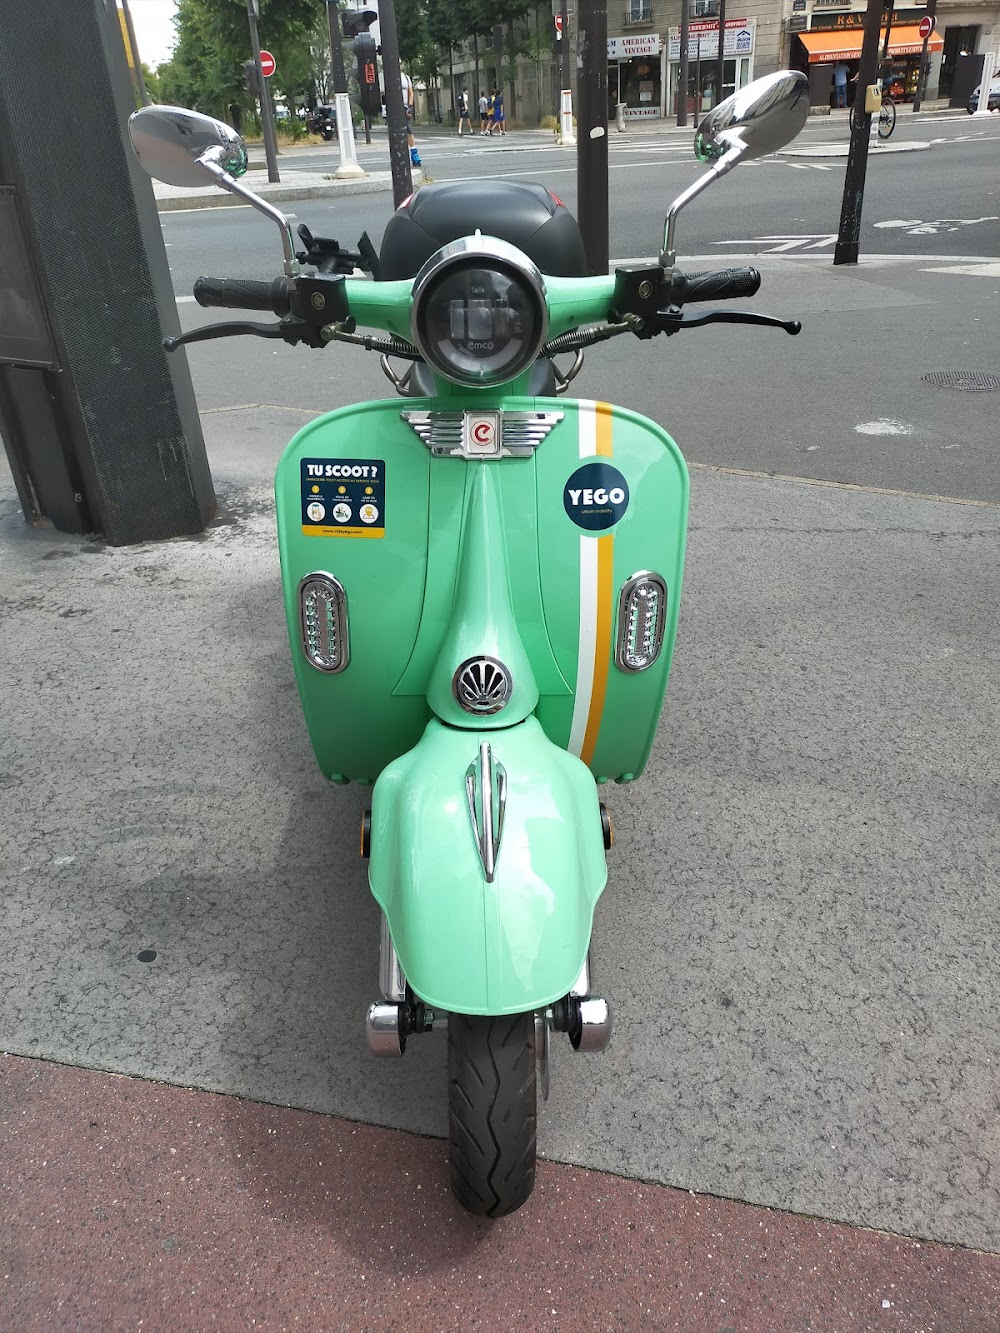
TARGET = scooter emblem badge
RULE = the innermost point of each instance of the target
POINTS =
(482, 685)
(473, 435)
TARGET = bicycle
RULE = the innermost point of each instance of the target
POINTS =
(886, 117)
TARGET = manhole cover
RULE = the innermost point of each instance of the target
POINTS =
(974, 380)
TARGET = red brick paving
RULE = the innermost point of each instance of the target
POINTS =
(131, 1205)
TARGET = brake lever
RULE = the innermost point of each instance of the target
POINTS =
(672, 320)
(291, 331)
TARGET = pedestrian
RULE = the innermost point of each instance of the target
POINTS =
(496, 119)
(407, 87)
(840, 85)
(484, 113)
(463, 111)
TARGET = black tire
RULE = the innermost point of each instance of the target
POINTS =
(851, 117)
(491, 1111)
(887, 118)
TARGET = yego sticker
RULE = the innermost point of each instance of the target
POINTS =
(596, 496)
(343, 497)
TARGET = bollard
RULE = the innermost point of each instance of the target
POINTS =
(989, 69)
(620, 118)
(349, 166)
(566, 136)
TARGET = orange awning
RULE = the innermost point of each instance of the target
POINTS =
(845, 43)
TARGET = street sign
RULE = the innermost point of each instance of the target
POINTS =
(926, 27)
(267, 64)
(558, 22)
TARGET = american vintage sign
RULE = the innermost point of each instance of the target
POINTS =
(627, 48)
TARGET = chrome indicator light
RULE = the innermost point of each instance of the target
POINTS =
(642, 617)
(323, 622)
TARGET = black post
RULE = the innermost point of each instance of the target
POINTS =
(849, 235)
(683, 74)
(720, 60)
(266, 119)
(592, 131)
(338, 71)
(100, 424)
(399, 152)
(924, 65)
(564, 82)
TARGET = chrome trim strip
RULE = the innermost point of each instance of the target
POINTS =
(486, 786)
(486, 806)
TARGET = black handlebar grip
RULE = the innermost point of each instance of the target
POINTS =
(243, 294)
(725, 284)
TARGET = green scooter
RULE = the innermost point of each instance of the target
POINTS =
(482, 590)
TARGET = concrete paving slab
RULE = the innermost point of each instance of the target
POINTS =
(800, 932)
(127, 1204)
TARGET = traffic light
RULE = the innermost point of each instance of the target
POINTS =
(371, 97)
(356, 21)
(251, 81)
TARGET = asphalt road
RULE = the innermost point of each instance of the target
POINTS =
(844, 402)
(943, 201)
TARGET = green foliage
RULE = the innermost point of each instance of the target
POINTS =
(213, 40)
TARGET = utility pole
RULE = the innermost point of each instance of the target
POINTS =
(849, 235)
(720, 63)
(349, 167)
(266, 119)
(930, 12)
(682, 73)
(137, 63)
(592, 131)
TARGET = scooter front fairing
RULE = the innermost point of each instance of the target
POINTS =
(602, 498)
(445, 559)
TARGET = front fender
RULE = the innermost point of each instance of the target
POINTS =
(465, 944)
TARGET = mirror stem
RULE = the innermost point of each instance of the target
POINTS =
(735, 151)
(208, 161)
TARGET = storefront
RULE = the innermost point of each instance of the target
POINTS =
(703, 55)
(836, 39)
(635, 75)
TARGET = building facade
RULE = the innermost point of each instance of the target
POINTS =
(643, 57)
(819, 34)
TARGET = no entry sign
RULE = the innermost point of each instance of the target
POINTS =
(926, 27)
(267, 64)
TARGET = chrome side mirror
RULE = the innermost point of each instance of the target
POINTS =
(754, 121)
(170, 144)
(188, 149)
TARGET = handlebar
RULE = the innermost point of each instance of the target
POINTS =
(724, 284)
(244, 294)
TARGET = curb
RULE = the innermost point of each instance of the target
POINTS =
(375, 183)
(842, 150)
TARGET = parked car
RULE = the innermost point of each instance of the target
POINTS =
(993, 104)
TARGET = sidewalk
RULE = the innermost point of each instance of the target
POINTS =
(129, 1205)
(795, 1125)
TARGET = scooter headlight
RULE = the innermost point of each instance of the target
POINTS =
(479, 312)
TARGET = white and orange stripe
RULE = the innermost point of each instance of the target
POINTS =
(596, 598)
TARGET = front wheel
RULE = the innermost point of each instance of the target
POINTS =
(491, 1111)
(887, 118)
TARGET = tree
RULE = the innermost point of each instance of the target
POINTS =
(213, 39)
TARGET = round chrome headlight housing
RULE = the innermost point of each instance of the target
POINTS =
(479, 312)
